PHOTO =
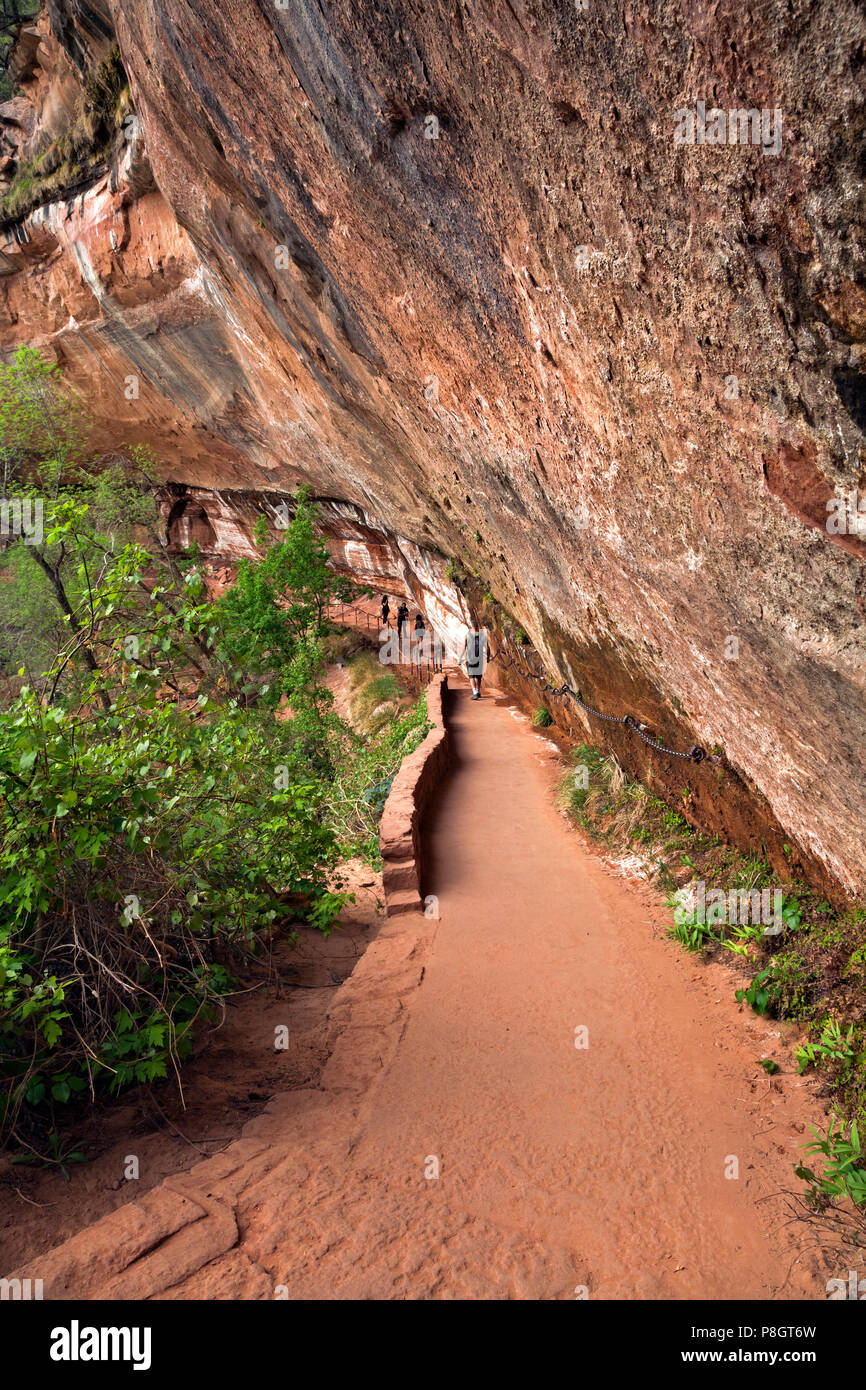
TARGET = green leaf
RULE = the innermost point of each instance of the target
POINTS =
(51, 1031)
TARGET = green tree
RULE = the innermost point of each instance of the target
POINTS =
(157, 812)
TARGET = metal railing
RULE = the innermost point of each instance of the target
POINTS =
(419, 658)
(423, 666)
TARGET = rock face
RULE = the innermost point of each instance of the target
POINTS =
(526, 285)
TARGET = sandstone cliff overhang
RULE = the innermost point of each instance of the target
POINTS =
(460, 275)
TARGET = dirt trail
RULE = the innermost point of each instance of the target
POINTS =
(560, 1168)
(608, 1162)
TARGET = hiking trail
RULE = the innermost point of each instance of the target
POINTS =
(563, 1171)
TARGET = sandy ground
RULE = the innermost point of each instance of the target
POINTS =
(609, 1159)
(497, 1159)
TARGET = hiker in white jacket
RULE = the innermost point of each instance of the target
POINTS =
(474, 657)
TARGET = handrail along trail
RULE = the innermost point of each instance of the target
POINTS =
(696, 753)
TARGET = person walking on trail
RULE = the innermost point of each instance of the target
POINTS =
(419, 634)
(386, 609)
(402, 618)
(474, 657)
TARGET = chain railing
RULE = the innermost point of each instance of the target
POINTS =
(423, 665)
(696, 753)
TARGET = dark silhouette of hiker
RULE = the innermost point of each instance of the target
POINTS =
(386, 609)
(402, 619)
(474, 657)
(419, 635)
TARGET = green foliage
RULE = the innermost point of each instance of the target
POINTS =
(542, 718)
(672, 820)
(39, 420)
(85, 515)
(158, 812)
(757, 994)
(747, 872)
(831, 1046)
(60, 1154)
(368, 759)
(779, 989)
(574, 793)
(457, 573)
(136, 849)
(277, 605)
(792, 914)
(691, 934)
(844, 1166)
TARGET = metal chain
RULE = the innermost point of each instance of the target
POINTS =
(696, 754)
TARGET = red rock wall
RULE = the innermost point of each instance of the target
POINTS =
(616, 375)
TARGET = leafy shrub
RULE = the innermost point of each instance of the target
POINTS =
(844, 1166)
(691, 934)
(140, 847)
(158, 813)
(831, 1046)
(781, 988)
(369, 759)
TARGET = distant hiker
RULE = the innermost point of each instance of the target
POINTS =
(419, 635)
(474, 657)
(386, 609)
(402, 617)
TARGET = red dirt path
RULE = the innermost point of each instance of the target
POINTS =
(560, 1169)
(605, 1166)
